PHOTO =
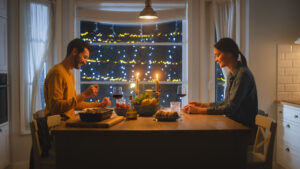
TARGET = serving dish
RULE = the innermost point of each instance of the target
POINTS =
(95, 114)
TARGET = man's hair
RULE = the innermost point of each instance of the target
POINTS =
(79, 45)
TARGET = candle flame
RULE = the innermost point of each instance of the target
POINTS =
(157, 76)
(138, 74)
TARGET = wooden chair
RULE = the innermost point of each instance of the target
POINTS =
(261, 156)
(40, 162)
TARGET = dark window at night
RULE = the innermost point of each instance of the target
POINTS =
(220, 82)
(121, 50)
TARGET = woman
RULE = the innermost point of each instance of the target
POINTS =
(240, 103)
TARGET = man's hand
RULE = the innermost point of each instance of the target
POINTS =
(91, 91)
(106, 102)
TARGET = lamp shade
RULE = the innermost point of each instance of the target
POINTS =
(148, 12)
(297, 41)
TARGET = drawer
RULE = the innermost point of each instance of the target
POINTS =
(288, 156)
(288, 132)
(289, 113)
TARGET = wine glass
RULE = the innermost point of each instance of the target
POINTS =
(117, 92)
(181, 92)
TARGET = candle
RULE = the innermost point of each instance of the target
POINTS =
(157, 84)
(137, 84)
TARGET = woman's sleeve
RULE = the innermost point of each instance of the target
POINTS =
(238, 92)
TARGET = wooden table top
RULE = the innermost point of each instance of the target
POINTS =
(209, 123)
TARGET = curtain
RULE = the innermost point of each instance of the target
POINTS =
(38, 33)
(225, 22)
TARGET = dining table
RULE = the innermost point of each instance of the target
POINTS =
(193, 141)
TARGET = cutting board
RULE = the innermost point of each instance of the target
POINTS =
(101, 124)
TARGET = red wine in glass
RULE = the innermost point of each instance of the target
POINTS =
(117, 92)
(181, 95)
(117, 96)
(181, 92)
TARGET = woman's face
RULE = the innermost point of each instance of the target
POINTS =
(223, 58)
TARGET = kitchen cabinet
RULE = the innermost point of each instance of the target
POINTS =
(3, 45)
(288, 129)
(4, 145)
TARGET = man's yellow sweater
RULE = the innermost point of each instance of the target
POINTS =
(60, 94)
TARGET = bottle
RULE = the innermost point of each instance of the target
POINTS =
(131, 114)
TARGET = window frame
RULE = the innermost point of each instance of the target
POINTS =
(183, 44)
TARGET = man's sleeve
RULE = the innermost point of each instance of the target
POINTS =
(56, 86)
(81, 105)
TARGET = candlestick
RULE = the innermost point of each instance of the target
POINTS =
(137, 84)
(157, 83)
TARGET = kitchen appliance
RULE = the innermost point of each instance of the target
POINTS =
(3, 99)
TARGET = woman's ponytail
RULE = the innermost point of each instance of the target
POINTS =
(243, 59)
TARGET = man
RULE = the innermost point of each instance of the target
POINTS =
(59, 90)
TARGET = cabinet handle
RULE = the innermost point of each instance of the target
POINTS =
(288, 126)
(287, 149)
(280, 112)
(296, 116)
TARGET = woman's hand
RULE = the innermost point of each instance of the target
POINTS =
(199, 104)
(192, 109)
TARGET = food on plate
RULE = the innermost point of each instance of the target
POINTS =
(166, 116)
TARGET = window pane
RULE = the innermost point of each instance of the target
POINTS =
(121, 63)
(138, 50)
(116, 33)
(105, 90)
(220, 82)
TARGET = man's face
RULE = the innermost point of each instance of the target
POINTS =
(81, 58)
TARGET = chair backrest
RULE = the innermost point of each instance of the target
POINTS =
(39, 114)
(265, 137)
(52, 121)
(37, 150)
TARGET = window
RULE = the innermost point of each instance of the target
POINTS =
(122, 50)
(219, 83)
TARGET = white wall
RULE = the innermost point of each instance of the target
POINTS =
(272, 22)
(20, 144)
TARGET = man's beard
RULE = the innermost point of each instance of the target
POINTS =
(77, 62)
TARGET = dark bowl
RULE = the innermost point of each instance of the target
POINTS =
(121, 111)
(95, 115)
(146, 111)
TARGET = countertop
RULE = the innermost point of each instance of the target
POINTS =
(295, 103)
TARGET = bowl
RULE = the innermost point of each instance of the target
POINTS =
(146, 110)
(95, 114)
(121, 111)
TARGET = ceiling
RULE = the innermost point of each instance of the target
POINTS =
(129, 5)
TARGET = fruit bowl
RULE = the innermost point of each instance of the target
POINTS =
(146, 110)
(121, 111)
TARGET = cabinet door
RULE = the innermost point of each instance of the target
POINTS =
(3, 45)
(3, 8)
(4, 147)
